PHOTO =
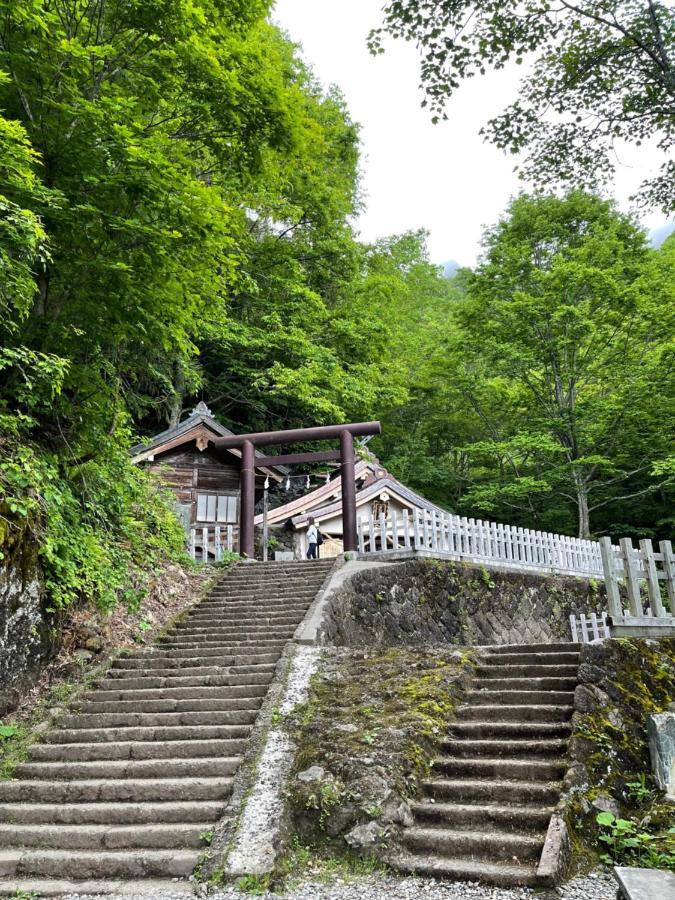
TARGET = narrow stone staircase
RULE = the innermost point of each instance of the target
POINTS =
(487, 805)
(126, 785)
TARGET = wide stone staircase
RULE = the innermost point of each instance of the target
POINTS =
(126, 785)
(488, 802)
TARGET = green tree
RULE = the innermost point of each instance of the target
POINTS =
(565, 359)
(602, 71)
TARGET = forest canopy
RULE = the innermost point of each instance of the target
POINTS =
(177, 198)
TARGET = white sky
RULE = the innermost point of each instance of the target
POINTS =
(417, 175)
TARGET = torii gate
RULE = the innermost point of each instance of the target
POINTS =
(247, 443)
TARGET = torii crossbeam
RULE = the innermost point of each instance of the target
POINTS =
(247, 443)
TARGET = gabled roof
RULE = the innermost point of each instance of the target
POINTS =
(406, 496)
(325, 501)
(198, 426)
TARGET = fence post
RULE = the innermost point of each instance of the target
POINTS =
(394, 529)
(193, 543)
(406, 530)
(218, 547)
(653, 587)
(668, 563)
(611, 581)
(362, 541)
(632, 580)
(372, 545)
(573, 627)
(416, 528)
(383, 532)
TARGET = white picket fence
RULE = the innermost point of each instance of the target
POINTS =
(632, 567)
(588, 628)
(208, 543)
(475, 540)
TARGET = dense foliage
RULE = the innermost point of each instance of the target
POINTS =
(549, 398)
(176, 201)
(599, 72)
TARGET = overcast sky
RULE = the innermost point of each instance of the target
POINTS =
(417, 175)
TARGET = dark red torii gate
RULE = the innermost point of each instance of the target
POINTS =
(247, 443)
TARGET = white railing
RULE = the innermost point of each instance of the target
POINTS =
(589, 628)
(475, 540)
(208, 543)
(633, 567)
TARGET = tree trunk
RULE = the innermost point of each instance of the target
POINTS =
(581, 489)
(176, 407)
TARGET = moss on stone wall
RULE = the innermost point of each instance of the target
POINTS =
(622, 682)
(435, 602)
(366, 738)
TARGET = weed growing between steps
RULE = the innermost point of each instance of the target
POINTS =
(366, 737)
(614, 809)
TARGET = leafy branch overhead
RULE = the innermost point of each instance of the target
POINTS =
(597, 73)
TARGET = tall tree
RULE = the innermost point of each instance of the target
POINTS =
(602, 71)
(564, 357)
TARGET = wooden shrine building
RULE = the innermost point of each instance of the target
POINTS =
(205, 478)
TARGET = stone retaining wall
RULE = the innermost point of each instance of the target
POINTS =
(432, 602)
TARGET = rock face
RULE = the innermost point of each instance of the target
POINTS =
(430, 602)
(661, 731)
(24, 642)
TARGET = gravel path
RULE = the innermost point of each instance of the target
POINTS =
(597, 886)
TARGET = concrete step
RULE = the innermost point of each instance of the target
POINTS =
(520, 698)
(221, 704)
(64, 770)
(228, 617)
(526, 747)
(241, 632)
(526, 684)
(507, 730)
(469, 815)
(487, 844)
(162, 750)
(248, 649)
(172, 681)
(518, 713)
(465, 790)
(206, 732)
(484, 670)
(499, 768)
(177, 888)
(500, 874)
(157, 720)
(123, 790)
(273, 592)
(510, 649)
(177, 693)
(531, 659)
(250, 609)
(115, 813)
(179, 836)
(216, 642)
(81, 864)
(150, 663)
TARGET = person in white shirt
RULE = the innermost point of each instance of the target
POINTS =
(312, 540)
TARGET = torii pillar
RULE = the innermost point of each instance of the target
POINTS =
(247, 443)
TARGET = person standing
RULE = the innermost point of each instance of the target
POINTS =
(312, 540)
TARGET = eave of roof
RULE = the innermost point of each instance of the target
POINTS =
(308, 501)
(387, 483)
(141, 452)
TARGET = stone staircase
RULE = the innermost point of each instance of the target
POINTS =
(126, 785)
(487, 805)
